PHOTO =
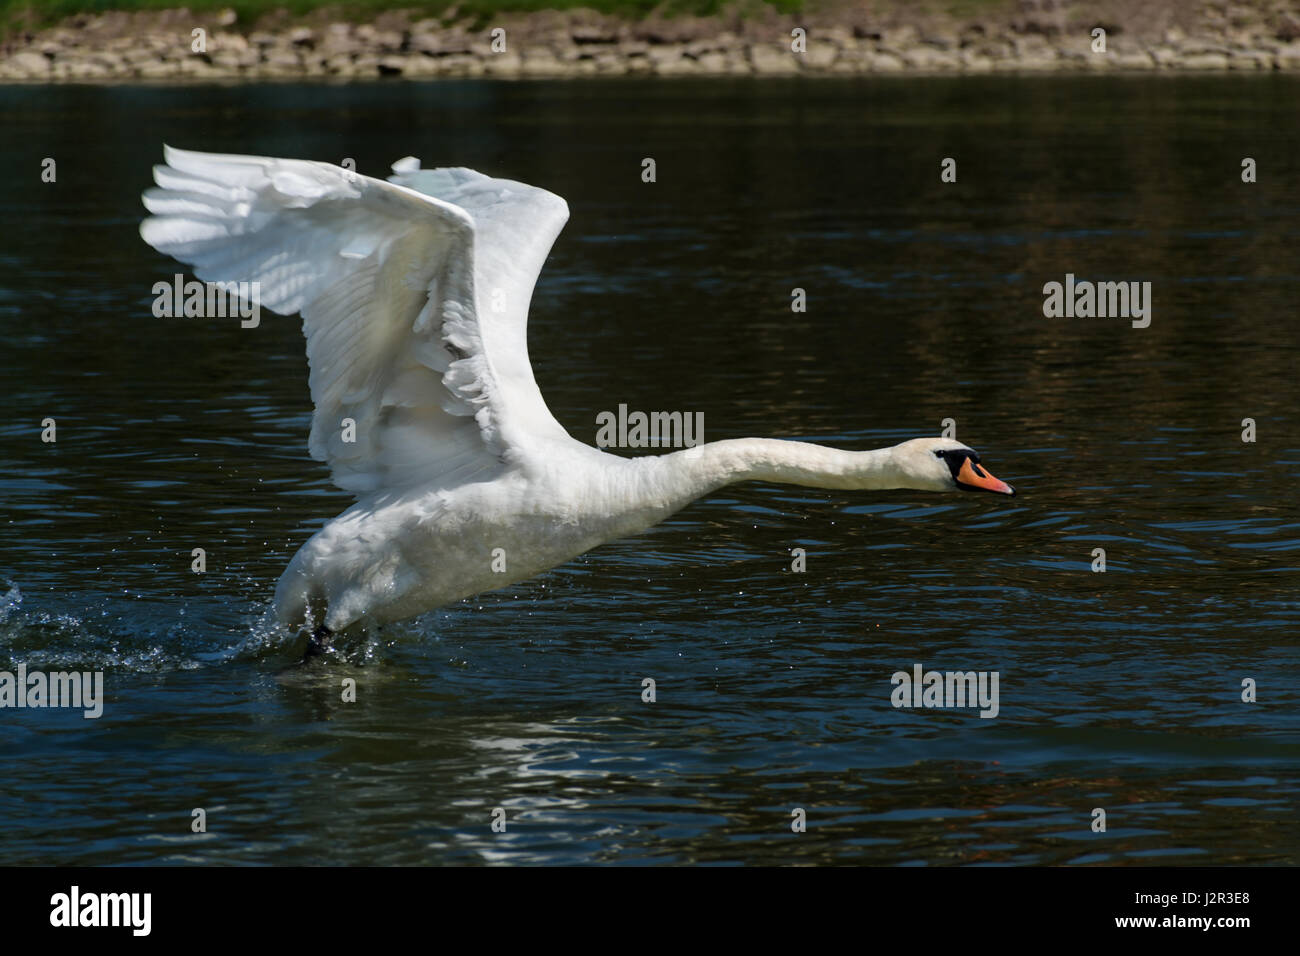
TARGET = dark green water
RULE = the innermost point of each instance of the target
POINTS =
(1119, 690)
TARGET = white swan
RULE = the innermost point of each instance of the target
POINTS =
(414, 297)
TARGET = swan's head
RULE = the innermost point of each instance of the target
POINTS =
(944, 464)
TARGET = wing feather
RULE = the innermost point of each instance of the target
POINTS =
(387, 277)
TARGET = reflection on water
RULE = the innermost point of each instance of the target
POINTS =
(1119, 690)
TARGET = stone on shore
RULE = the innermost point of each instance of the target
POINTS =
(1029, 36)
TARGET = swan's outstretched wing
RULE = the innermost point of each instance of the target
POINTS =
(393, 286)
(514, 227)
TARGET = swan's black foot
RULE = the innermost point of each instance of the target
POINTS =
(319, 643)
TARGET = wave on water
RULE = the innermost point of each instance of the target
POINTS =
(155, 636)
(146, 637)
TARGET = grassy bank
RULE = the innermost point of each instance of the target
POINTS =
(47, 11)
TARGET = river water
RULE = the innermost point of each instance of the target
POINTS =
(1119, 690)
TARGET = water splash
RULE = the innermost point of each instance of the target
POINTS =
(13, 597)
(132, 635)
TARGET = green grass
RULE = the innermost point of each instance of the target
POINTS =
(35, 14)
(40, 12)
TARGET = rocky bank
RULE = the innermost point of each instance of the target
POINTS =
(852, 37)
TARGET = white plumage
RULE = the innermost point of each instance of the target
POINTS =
(414, 296)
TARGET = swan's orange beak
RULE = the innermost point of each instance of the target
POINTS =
(974, 476)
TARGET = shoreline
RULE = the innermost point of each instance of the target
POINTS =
(1037, 36)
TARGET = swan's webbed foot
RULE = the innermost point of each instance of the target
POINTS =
(319, 643)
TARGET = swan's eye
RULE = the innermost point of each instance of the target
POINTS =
(953, 458)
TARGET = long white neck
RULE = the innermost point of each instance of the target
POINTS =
(681, 477)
